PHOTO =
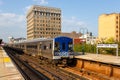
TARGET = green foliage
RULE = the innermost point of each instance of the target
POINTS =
(77, 48)
(110, 41)
(118, 48)
(111, 51)
(92, 48)
(86, 47)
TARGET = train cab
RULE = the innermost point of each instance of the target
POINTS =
(63, 47)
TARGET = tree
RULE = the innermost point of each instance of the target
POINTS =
(110, 40)
(87, 48)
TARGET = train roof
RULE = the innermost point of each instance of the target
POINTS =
(34, 40)
(63, 37)
(40, 39)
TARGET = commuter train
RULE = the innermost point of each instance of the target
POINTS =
(58, 50)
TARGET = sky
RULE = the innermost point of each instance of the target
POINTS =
(76, 14)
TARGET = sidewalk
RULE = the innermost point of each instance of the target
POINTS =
(8, 70)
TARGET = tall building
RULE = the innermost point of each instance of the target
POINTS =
(109, 26)
(43, 22)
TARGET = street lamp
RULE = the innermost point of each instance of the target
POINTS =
(82, 30)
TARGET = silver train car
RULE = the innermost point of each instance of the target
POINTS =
(59, 49)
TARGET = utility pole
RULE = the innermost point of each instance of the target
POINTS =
(82, 30)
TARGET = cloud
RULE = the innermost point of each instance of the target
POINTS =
(41, 2)
(72, 24)
(11, 20)
(26, 9)
(12, 25)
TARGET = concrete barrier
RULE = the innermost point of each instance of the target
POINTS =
(108, 70)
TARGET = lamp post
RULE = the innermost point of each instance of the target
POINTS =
(82, 30)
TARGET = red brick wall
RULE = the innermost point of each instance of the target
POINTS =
(77, 41)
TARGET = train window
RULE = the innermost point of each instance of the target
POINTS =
(70, 46)
(57, 46)
(44, 47)
(35, 46)
(50, 46)
(63, 46)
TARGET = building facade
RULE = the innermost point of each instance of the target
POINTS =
(43, 22)
(79, 38)
(109, 26)
(73, 34)
(88, 38)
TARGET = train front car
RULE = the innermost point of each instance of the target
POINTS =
(63, 49)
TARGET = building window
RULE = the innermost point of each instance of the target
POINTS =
(116, 35)
(116, 26)
(116, 31)
(116, 22)
(116, 17)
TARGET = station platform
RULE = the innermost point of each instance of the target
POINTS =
(8, 70)
(115, 60)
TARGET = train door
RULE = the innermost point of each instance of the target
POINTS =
(63, 46)
(66, 45)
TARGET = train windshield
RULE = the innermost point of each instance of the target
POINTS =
(70, 46)
(63, 46)
(57, 46)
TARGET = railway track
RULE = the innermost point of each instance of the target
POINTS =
(57, 73)
(51, 71)
(40, 69)
(26, 70)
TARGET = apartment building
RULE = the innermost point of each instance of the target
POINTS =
(43, 22)
(109, 26)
